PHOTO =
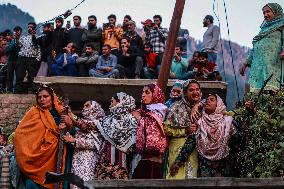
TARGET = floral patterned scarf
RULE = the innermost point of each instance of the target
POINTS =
(119, 128)
(179, 112)
(94, 113)
(214, 133)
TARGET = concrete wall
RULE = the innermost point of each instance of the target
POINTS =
(12, 109)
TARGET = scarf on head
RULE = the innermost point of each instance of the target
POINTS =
(179, 112)
(276, 24)
(94, 113)
(214, 133)
(119, 128)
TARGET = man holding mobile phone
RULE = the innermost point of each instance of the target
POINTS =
(112, 34)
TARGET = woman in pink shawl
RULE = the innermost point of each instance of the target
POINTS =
(151, 140)
(215, 140)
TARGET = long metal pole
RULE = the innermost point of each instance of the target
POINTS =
(170, 45)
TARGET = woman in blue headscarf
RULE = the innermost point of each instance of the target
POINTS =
(265, 57)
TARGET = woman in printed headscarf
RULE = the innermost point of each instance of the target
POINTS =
(216, 139)
(119, 131)
(268, 50)
(178, 127)
(87, 141)
(151, 141)
(176, 93)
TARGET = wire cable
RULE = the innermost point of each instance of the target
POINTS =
(231, 51)
(220, 39)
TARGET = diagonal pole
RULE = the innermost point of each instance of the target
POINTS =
(170, 45)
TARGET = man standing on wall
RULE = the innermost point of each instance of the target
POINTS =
(210, 38)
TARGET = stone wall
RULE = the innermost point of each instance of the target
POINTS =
(12, 109)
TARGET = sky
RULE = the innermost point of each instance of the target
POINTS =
(244, 16)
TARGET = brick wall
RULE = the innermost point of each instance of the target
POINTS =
(12, 109)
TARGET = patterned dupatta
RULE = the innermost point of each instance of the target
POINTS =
(214, 132)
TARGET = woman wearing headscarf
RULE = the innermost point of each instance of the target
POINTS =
(151, 141)
(176, 93)
(37, 137)
(87, 141)
(119, 132)
(178, 127)
(215, 140)
(268, 50)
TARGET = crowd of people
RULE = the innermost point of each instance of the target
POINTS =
(112, 51)
(177, 139)
(183, 137)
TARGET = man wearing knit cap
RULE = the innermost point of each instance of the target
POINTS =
(135, 39)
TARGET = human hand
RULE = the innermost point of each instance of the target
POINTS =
(174, 169)
(68, 138)
(243, 69)
(156, 27)
(53, 54)
(136, 114)
(191, 129)
(195, 114)
(205, 71)
(66, 120)
(282, 55)
(172, 75)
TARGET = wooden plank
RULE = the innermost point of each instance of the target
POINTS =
(170, 45)
(200, 183)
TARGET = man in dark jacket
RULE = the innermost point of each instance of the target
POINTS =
(59, 36)
(75, 34)
(135, 40)
(130, 61)
(93, 35)
(87, 61)
(45, 43)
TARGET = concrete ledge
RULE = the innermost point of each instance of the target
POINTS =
(81, 89)
(200, 183)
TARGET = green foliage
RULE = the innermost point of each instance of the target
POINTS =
(263, 133)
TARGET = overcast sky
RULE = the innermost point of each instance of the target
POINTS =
(244, 16)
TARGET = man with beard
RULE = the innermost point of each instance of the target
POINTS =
(93, 35)
(59, 36)
(130, 62)
(205, 70)
(210, 38)
(75, 34)
(45, 43)
(87, 61)
(29, 55)
(135, 39)
(152, 62)
(158, 36)
(126, 19)
(112, 34)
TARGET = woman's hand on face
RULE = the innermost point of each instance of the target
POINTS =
(194, 114)
(68, 138)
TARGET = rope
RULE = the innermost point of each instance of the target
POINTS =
(39, 25)
(222, 48)
(231, 51)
